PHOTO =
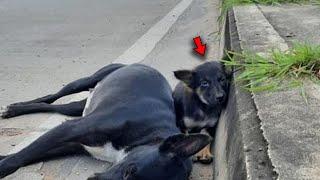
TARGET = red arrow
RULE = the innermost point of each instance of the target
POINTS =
(200, 48)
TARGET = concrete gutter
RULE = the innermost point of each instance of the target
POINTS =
(240, 148)
(265, 135)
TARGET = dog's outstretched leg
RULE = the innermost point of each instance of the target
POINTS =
(52, 143)
(70, 109)
(83, 84)
(65, 150)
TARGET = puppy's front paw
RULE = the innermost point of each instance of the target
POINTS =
(204, 156)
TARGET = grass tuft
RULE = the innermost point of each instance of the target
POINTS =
(281, 70)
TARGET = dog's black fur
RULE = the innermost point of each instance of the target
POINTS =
(200, 97)
(132, 108)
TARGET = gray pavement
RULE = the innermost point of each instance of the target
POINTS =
(295, 22)
(296, 138)
(45, 44)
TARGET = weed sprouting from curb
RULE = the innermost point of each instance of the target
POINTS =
(278, 71)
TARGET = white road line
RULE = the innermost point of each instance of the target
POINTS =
(145, 44)
(136, 53)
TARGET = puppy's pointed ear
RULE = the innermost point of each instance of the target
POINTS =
(184, 75)
(184, 145)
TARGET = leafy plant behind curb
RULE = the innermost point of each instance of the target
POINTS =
(280, 70)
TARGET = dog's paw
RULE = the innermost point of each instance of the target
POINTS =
(8, 111)
(204, 156)
(4, 112)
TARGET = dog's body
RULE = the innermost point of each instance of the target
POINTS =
(199, 99)
(129, 116)
(192, 114)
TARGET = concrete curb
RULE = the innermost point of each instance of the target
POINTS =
(240, 151)
(265, 135)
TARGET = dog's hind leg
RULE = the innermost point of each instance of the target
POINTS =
(70, 109)
(83, 84)
(67, 149)
(72, 131)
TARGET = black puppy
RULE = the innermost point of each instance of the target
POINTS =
(128, 116)
(199, 99)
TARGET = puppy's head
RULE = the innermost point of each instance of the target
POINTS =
(209, 81)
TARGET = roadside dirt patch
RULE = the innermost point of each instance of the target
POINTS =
(10, 131)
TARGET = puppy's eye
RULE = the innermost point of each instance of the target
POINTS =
(204, 84)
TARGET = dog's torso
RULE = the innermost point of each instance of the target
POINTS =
(120, 98)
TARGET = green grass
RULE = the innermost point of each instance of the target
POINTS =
(280, 70)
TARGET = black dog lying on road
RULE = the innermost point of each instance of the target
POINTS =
(130, 114)
(199, 99)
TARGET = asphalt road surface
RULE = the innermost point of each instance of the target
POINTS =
(45, 44)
